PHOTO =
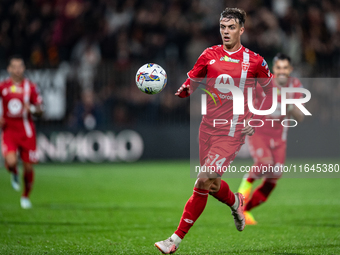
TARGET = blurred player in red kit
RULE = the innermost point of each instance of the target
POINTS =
(268, 145)
(20, 99)
(222, 65)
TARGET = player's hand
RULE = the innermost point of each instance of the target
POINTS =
(289, 108)
(248, 130)
(27, 107)
(183, 91)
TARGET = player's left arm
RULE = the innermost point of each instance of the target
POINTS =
(36, 102)
(248, 130)
(295, 113)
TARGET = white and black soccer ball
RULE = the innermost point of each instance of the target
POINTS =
(151, 78)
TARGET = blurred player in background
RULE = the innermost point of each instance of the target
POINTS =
(268, 144)
(20, 99)
(221, 65)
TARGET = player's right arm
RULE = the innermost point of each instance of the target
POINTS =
(195, 76)
(296, 113)
(35, 105)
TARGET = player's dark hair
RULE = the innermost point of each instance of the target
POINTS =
(16, 56)
(234, 13)
(281, 56)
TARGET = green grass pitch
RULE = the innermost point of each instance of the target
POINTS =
(125, 208)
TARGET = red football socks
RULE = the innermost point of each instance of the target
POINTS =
(260, 195)
(192, 210)
(28, 182)
(225, 195)
(13, 170)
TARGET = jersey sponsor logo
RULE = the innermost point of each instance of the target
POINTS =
(14, 106)
(224, 79)
(239, 104)
(264, 63)
(245, 66)
(223, 96)
(189, 221)
(212, 61)
(229, 59)
(15, 89)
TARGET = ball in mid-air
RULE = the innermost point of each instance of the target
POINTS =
(151, 78)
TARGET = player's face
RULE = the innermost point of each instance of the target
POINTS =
(282, 70)
(16, 69)
(231, 32)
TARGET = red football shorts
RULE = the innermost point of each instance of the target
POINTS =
(19, 142)
(218, 152)
(267, 151)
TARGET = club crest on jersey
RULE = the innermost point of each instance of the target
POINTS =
(245, 66)
(229, 59)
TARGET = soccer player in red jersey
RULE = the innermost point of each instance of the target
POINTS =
(20, 99)
(268, 145)
(222, 65)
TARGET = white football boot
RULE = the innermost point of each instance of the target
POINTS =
(25, 203)
(237, 213)
(15, 182)
(169, 245)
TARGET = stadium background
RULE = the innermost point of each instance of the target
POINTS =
(84, 54)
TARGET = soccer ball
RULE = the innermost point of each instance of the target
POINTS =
(151, 78)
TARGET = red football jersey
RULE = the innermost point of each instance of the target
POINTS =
(240, 68)
(275, 129)
(14, 97)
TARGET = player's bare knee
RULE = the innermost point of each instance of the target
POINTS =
(28, 167)
(213, 189)
(203, 183)
(11, 160)
(11, 163)
(215, 186)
